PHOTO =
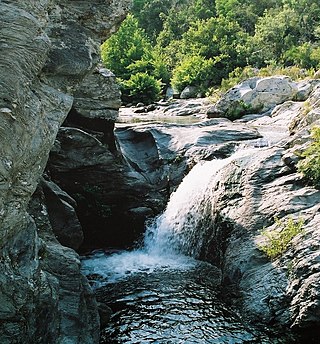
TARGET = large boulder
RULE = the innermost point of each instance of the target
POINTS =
(96, 105)
(255, 95)
(189, 92)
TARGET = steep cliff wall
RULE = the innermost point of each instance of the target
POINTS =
(47, 48)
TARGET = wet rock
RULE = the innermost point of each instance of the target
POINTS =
(105, 186)
(185, 108)
(62, 215)
(105, 313)
(249, 194)
(140, 109)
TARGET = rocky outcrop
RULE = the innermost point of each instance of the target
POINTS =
(253, 191)
(255, 95)
(48, 47)
(96, 106)
(117, 187)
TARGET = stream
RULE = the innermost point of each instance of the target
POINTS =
(160, 293)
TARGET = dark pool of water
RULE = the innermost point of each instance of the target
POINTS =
(172, 306)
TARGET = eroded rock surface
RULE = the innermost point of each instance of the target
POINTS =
(250, 194)
(47, 48)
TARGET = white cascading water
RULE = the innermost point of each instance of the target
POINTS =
(180, 229)
(176, 235)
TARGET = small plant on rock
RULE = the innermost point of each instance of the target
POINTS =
(309, 166)
(278, 240)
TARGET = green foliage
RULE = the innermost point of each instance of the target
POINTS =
(305, 55)
(245, 12)
(151, 15)
(309, 166)
(167, 39)
(218, 41)
(125, 48)
(240, 108)
(141, 87)
(193, 71)
(275, 33)
(278, 240)
(308, 12)
(129, 54)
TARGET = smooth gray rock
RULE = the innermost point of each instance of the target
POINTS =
(98, 96)
(252, 191)
(189, 92)
(255, 95)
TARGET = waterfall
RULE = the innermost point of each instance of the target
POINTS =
(183, 225)
(177, 236)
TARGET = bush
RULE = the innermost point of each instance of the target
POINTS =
(305, 55)
(279, 239)
(125, 48)
(193, 71)
(309, 166)
(141, 87)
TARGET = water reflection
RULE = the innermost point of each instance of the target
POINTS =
(173, 306)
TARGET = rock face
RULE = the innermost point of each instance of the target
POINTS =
(96, 105)
(47, 48)
(116, 191)
(250, 194)
(255, 95)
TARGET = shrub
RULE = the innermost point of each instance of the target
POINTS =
(141, 87)
(279, 239)
(305, 55)
(125, 47)
(193, 71)
(309, 166)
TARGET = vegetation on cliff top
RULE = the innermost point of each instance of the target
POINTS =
(200, 42)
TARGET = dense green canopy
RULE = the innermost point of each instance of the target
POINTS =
(184, 42)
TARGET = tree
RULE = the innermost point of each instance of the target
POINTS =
(245, 13)
(194, 70)
(218, 39)
(306, 55)
(125, 48)
(276, 32)
(308, 12)
(151, 15)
